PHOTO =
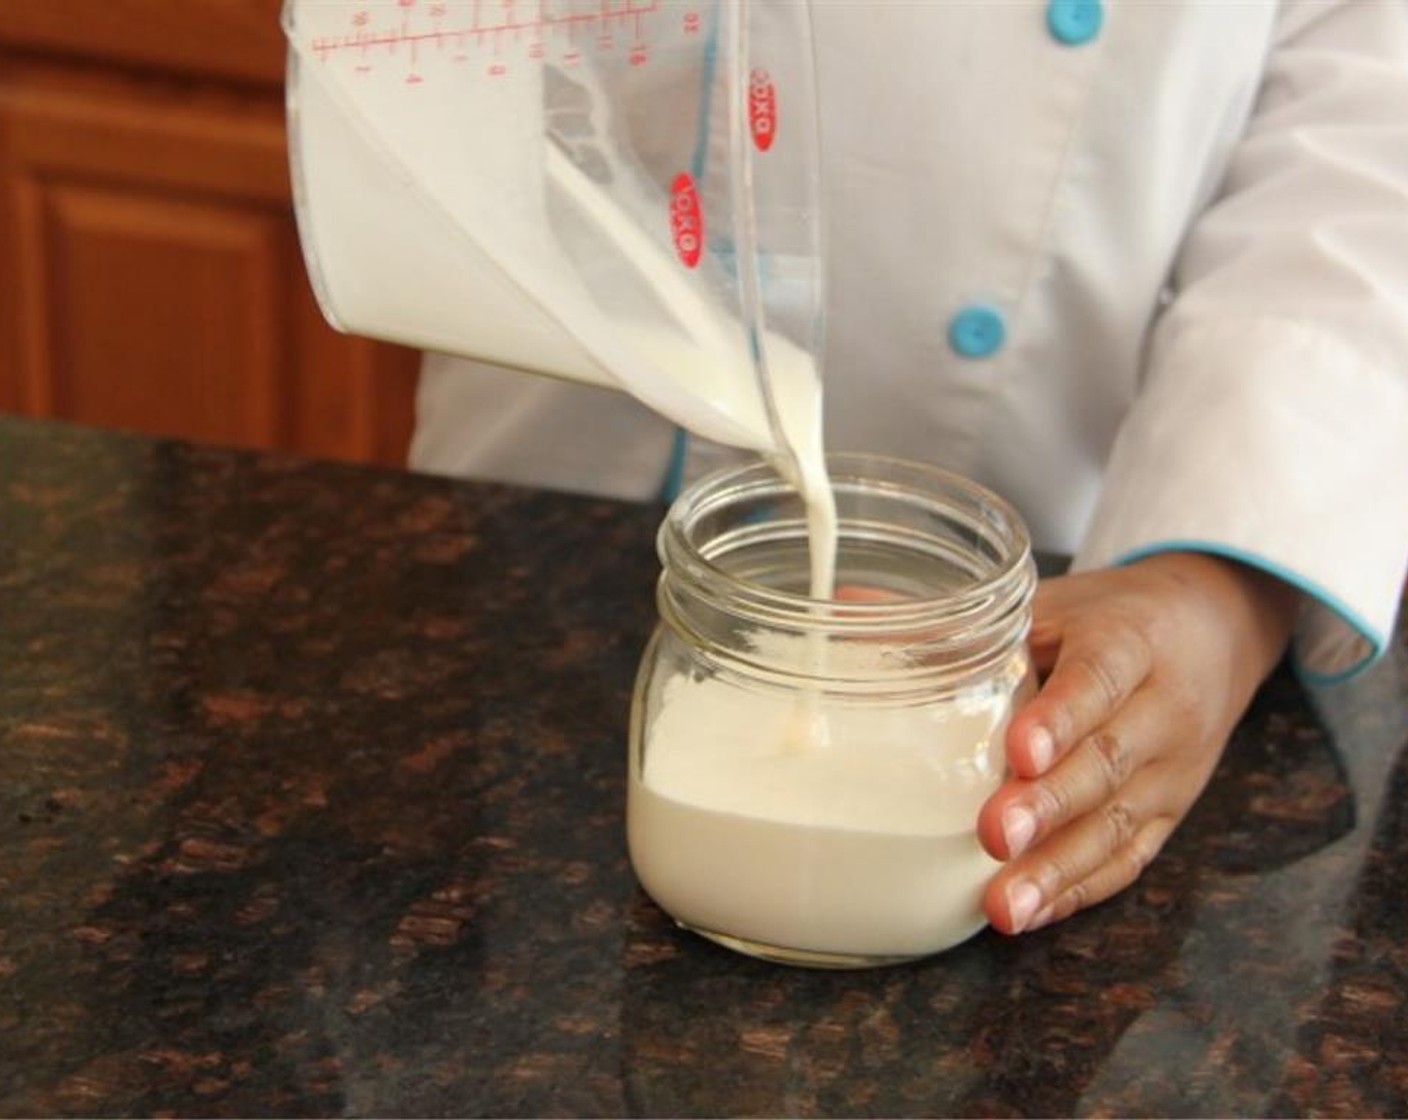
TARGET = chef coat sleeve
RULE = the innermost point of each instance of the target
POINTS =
(1271, 424)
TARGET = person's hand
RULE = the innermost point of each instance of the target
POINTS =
(1147, 670)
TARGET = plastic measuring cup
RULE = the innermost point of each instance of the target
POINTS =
(621, 192)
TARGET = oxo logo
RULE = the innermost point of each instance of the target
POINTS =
(762, 109)
(686, 219)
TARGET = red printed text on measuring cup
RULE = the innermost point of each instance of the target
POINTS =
(762, 109)
(686, 219)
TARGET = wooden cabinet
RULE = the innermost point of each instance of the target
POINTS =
(150, 274)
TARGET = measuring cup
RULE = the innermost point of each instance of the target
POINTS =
(621, 192)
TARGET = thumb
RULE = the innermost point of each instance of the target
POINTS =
(1056, 602)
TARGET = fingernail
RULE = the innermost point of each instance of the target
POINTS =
(1042, 748)
(1022, 901)
(1018, 828)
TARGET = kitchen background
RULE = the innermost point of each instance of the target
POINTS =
(150, 274)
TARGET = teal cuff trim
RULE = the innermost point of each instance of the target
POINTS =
(1377, 641)
(674, 473)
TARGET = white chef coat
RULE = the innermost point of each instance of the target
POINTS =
(1187, 223)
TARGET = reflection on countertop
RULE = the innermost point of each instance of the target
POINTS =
(311, 801)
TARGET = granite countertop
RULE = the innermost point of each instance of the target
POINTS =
(311, 803)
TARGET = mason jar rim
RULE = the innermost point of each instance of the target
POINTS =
(1006, 586)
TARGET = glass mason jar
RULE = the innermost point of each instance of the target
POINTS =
(805, 775)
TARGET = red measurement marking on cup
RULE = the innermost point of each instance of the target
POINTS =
(686, 219)
(397, 34)
(762, 109)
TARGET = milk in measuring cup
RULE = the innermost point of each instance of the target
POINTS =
(505, 184)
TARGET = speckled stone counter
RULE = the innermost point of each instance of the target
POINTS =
(311, 803)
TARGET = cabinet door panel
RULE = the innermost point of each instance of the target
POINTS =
(163, 315)
(152, 277)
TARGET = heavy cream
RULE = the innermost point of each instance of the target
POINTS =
(858, 843)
